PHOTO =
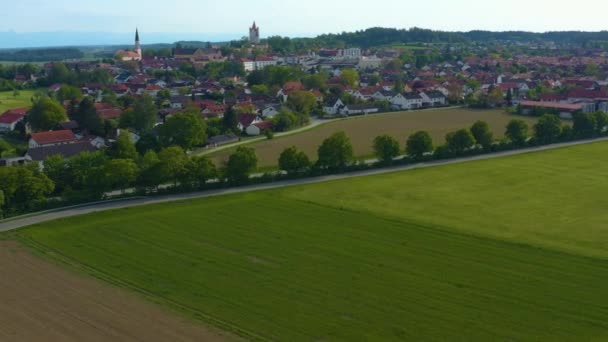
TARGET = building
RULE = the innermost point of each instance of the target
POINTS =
(132, 55)
(52, 138)
(254, 34)
(10, 119)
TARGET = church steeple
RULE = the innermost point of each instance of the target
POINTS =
(137, 44)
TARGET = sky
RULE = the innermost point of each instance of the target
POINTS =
(296, 18)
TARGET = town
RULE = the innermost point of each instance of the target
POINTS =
(197, 98)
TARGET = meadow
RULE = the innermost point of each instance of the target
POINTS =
(9, 101)
(504, 249)
(363, 130)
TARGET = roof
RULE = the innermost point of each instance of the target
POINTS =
(54, 137)
(17, 111)
(110, 113)
(247, 119)
(553, 105)
(10, 118)
(264, 125)
(222, 139)
(66, 150)
(69, 125)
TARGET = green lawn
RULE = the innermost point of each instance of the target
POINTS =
(509, 249)
(8, 101)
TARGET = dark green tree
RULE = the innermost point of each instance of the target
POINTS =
(240, 165)
(517, 132)
(293, 160)
(198, 171)
(123, 148)
(584, 125)
(185, 129)
(173, 162)
(335, 152)
(460, 140)
(482, 134)
(386, 148)
(144, 114)
(418, 144)
(46, 114)
(548, 129)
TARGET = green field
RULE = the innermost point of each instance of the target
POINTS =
(511, 249)
(8, 101)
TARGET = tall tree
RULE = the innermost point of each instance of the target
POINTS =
(584, 125)
(173, 162)
(87, 117)
(185, 129)
(123, 148)
(418, 144)
(548, 129)
(350, 77)
(240, 165)
(386, 148)
(46, 114)
(198, 171)
(144, 114)
(121, 173)
(460, 140)
(335, 152)
(482, 133)
(293, 160)
(517, 131)
(301, 101)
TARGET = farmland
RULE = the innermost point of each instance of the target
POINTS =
(9, 101)
(363, 130)
(503, 249)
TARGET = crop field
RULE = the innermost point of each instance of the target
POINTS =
(510, 249)
(8, 101)
(363, 130)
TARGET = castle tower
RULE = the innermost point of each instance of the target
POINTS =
(137, 43)
(254, 34)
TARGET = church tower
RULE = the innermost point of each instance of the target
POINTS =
(254, 34)
(137, 43)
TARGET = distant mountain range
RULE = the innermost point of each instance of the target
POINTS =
(11, 40)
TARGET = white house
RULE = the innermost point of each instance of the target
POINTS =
(433, 98)
(335, 108)
(360, 109)
(10, 119)
(406, 101)
(270, 112)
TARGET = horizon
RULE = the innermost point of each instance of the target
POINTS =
(65, 23)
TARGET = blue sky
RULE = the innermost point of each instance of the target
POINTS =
(296, 17)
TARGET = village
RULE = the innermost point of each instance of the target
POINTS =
(264, 91)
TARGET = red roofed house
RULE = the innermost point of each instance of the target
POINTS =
(11, 118)
(246, 120)
(52, 138)
(565, 110)
(258, 128)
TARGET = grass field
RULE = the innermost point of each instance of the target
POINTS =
(363, 130)
(511, 249)
(8, 101)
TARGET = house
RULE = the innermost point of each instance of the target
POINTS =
(270, 111)
(222, 139)
(384, 95)
(258, 128)
(433, 98)
(359, 109)
(41, 153)
(407, 101)
(333, 108)
(52, 138)
(10, 119)
(565, 110)
(246, 120)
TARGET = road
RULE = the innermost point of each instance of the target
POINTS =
(16, 223)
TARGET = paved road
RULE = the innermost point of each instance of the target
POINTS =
(69, 212)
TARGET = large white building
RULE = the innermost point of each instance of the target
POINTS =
(132, 55)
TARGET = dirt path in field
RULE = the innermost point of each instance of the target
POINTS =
(40, 301)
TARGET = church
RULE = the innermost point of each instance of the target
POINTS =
(131, 55)
(254, 34)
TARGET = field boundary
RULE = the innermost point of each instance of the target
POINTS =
(36, 218)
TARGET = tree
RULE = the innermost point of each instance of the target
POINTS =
(240, 165)
(46, 114)
(548, 129)
(284, 120)
(123, 148)
(601, 122)
(121, 173)
(59, 73)
(144, 114)
(386, 148)
(67, 92)
(517, 131)
(150, 168)
(230, 121)
(293, 160)
(335, 152)
(496, 97)
(418, 144)
(592, 69)
(483, 135)
(173, 162)
(56, 168)
(4, 146)
(23, 187)
(349, 77)
(301, 101)
(197, 172)
(185, 129)
(584, 125)
(87, 117)
(460, 140)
